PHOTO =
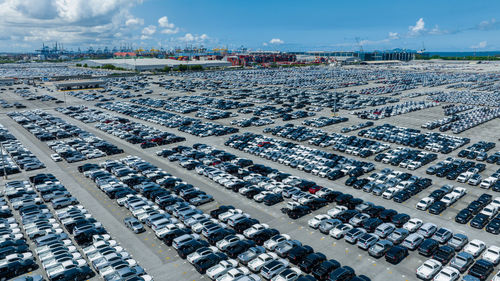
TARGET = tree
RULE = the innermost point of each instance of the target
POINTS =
(85, 65)
(78, 65)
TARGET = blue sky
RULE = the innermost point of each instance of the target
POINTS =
(268, 25)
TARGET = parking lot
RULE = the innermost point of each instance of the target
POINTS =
(160, 260)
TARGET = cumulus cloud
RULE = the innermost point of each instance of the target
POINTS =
(480, 45)
(393, 35)
(148, 31)
(188, 37)
(168, 27)
(164, 23)
(276, 41)
(67, 21)
(488, 24)
(134, 22)
(417, 29)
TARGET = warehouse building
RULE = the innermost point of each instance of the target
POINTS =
(79, 85)
(148, 64)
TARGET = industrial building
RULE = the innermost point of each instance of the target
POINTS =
(148, 64)
(80, 84)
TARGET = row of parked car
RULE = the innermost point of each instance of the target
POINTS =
(477, 151)
(185, 124)
(162, 205)
(45, 126)
(394, 110)
(356, 127)
(15, 156)
(59, 257)
(372, 228)
(406, 158)
(324, 121)
(460, 170)
(435, 142)
(124, 128)
(390, 184)
(338, 142)
(252, 121)
(482, 213)
(298, 156)
(467, 97)
(464, 121)
(452, 109)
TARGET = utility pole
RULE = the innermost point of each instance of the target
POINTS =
(3, 162)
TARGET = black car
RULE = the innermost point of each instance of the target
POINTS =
(75, 273)
(17, 267)
(400, 219)
(375, 211)
(204, 263)
(371, 224)
(444, 254)
(311, 261)
(296, 254)
(169, 237)
(245, 223)
(481, 269)
(222, 209)
(298, 212)
(185, 249)
(428, 247)
(479, 221)
(464, 216)
(239, 247)
(322, 271)
(386, 215)
(437, 208)
(272, 199)
(342, 274)
(219, 234)
(396, 254)
(264, 235)
(494, 226)
(13, 250)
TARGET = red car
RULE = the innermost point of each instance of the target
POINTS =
(315, 189)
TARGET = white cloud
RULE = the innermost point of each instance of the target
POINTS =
(488, 24)
(164, 23)
(276, 41)
(67, 21)
(393, 35)
(480, 45)
(134, 22)
(264, 44)
(417, 29)
(149, 30)
(188, 37)
(170, 31)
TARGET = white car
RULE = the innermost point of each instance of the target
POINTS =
(413, 225)
(256, 264)
(449, 199)
(228, 240)
(191, 258)
(251, 231)
(428, 269)
(340, 230)
(448, 273)
(492, 254)
(56, 157)
(475, 247)
(424, 203)
(459, 191)
(496, 202)
(221, 268)
(336, 210)
(316, 221)
(275, 240)
(233, 274)
(224, 216)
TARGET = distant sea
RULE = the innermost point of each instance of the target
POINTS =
(464, 54)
